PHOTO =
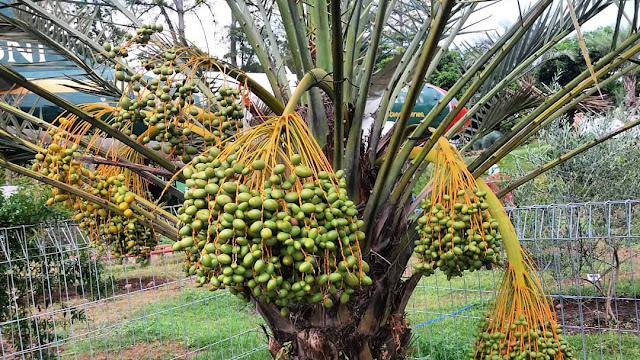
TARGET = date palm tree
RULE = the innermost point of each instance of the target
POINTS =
(332, 48)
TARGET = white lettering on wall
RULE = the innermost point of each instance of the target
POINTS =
(41, 53)
(25, 51)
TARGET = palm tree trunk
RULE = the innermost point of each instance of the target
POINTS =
(370, 326)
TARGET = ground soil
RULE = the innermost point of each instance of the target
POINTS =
(128, 285)
(593, 317)
(71, 297)
(121, 286)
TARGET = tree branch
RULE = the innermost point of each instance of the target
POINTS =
(172, 29)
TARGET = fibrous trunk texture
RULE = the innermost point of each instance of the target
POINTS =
(370, 326)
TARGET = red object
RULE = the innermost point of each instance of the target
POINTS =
(245, 95)
(159, 249)
(458, 117)
(162, 249)
(497, 181)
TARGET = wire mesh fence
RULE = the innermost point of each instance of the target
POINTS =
(60, 298)
(588, 257)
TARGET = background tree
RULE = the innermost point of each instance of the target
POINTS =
(604, 172)
(448, 70)
(20, 214)
(172, 12)
(582, 178)
(566, 60)
(240, 52)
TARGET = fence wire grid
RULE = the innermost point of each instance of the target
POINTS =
(60, 299)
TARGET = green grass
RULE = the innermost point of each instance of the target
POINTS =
(451, 339)
(167, 264)
(220, 320)
(186, 322)
(606, 346)
(447, 337)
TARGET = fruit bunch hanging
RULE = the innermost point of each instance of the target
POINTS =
(457, 232)
(527, 342)
(174, 105)
(268, 217)
(522, 324)
(142, 36)
(170, 103)
(130, 239)
(122, 233)
(178, 103)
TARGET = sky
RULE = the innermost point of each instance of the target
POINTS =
(499, 15)
(503, 13)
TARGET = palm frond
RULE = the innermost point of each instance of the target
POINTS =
(16, 129)
(526, 96)
(70, 33)
(527, 53)
(555, 21)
